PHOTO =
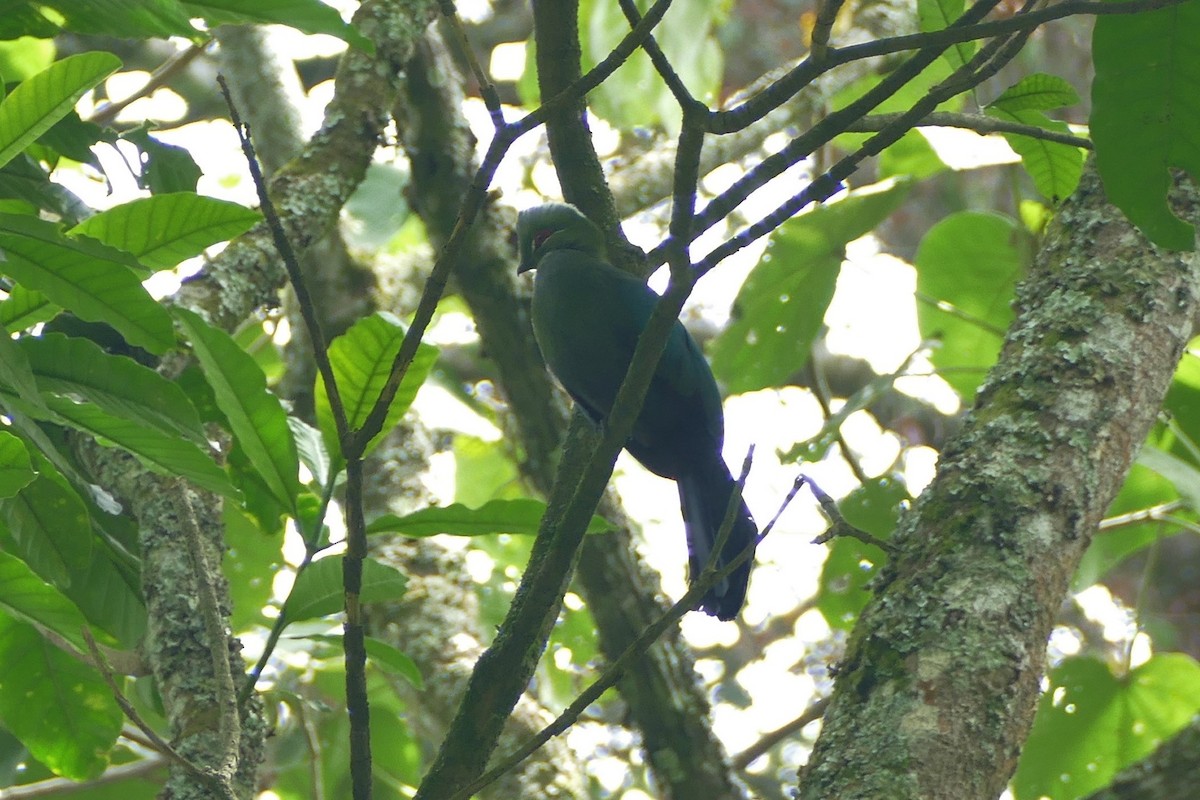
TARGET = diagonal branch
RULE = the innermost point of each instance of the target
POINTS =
(983, 65)
(936, 689)
(973, 122)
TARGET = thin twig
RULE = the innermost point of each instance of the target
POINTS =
(821, 393)
(435, 285)
(354, 634)
(137, 737)
(487, 89)
(708, 574)
(61, 787)
(840, 121)
(811, 714)
(105, 114)
(974, 122)
(659, 59)
(1024, 21)
(840, 526)
(983, 65)
(800, 148)
(281, 622)
(312, 743)
(780, 91)
(966, 28)
(1156, 513)
(283, 245)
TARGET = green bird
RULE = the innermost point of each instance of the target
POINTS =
(587, 318)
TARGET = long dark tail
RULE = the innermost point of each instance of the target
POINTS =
(704, 495)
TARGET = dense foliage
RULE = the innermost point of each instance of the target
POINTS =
(178, 477)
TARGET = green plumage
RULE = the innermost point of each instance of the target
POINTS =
(587, 318)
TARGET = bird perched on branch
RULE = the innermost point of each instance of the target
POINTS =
(587, 318)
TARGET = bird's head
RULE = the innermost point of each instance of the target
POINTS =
(555, 226)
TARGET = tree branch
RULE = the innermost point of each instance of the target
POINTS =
(936, 689)
(990, 58)
(974, 122)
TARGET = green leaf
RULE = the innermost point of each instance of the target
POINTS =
(163, 230)
(1143, 489)
(967, 267)
(79, 368)
(1145, 113)
(309, 16)
(110, 599)
(26, 180)
(25, 596)
(1037, 92)
(1183, 397)
(389, 659)
(634, 95)
(255, 415)
(142, 19)
(58, 707)
(16, 373)
(252, 561)
(873, 507)
(16, 471)
(50, 527)
(311, 448)
(781, 306)
(1090, 724)
(936, 15)
(166, 454)
(483, 471)
(1054, 167)
(166, 168)
(24, 308)
(362, 360)
(37, 103)
(1181, 474)
(912, 156)
(382, 655)
(376, 212)
(318, 589)
(93, 280)
(74, 138)
(521, 516)
(21, 20)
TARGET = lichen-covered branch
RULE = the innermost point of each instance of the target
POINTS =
(941, 676)
(310, 190)
(178, 647)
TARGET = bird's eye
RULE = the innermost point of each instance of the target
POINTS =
(540, 237)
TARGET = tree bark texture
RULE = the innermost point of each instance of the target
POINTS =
(942, 673)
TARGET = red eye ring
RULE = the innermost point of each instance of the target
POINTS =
(540, 237)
